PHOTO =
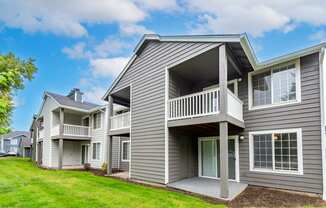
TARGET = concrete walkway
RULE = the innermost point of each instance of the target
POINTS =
(208, 187)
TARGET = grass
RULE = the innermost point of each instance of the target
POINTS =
(22, 184)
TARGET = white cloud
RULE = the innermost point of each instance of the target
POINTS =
(107, 67)
(67, 17)
(157, 4)
(77, 51)
(254, 16)
(318, 36)
(94, 94)
(134, 29)
(110, 46)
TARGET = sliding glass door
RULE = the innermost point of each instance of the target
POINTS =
(210, 157)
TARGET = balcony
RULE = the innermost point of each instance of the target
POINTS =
(120, 121)
(204, 103)
(72, 130)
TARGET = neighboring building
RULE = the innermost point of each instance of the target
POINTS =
(18, 142)
(70, 132)
(203, 108)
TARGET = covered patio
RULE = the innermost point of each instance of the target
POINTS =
(208, 187)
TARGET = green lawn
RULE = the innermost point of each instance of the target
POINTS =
(25, 185)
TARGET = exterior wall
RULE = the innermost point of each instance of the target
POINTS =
(73, 119)
(146, 75)
(98, 135)
(305, 115)
(48, 155)
(116, 152)
(183, 155)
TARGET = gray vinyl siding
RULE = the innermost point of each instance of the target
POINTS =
(183, 154)
(115, 152)
(117, 162)
(147, 75)
(305, 115)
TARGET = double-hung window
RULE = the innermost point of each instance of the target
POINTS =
(96, 151)
(125, 154)
(277, 86)
(276, 151)
(97, 120)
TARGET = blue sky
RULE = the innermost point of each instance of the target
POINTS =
(87, 47)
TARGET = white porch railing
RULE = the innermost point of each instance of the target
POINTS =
(235, 106)
(193, 105)
(76, 130)
(203, 104)
(71, 130)
(120, 121)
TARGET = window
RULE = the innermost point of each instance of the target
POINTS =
(97, 120)
(125, 151)
(277, 86)
(276, 151)
(96, 151)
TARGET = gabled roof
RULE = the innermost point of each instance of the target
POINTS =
(16, 134)
(241, 38)
(66, 101)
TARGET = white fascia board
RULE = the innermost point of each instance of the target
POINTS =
(278, 60)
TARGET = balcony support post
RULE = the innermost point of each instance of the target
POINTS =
(223, 125)
(61, 118)
(109, 138)
(60, 153)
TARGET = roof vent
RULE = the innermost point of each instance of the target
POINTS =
(76, 95)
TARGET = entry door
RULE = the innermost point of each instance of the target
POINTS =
(84, 154)
(210, 157)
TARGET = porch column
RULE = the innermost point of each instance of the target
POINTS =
(223, 125)
(61, 117)
(60, 153)
(109, 138)
(33, 133)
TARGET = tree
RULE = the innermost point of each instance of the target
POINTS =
(13, 73)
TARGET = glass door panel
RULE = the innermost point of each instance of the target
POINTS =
(209, 160)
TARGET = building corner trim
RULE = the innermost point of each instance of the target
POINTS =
(322, 116)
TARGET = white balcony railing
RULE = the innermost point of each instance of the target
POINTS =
(203, 104)
(71, 130)
(235, 106)
(120, 121)
(76, 130)
(193, 105)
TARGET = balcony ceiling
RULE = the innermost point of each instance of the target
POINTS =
(205, 66)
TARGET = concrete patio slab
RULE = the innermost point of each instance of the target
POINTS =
(208, 187)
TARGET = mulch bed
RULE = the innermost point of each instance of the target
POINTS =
(255, 196)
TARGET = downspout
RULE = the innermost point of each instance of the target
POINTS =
(322, 117)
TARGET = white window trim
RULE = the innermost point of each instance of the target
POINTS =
(122, 150)
(297, 81)
(100, 148)
(298, 131)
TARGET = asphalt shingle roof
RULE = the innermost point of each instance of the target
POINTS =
(16, 134)
(66, 101)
